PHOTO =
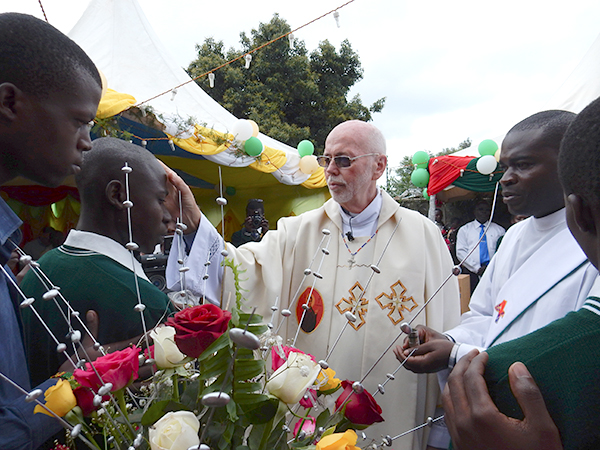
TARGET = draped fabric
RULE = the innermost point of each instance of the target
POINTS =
(461, 171)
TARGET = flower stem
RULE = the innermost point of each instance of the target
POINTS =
(176, 387)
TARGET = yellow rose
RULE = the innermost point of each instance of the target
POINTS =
(175, 431)
(339, 441)
(327, 380)
(166, 353)
(59, 398)
(293, 378)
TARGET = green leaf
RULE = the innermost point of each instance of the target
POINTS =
(221, 342)
(261, 411)
(246, 369)
(159, 409)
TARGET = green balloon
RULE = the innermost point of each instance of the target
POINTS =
(420, 159)
(305, 148)
(253, 146)
(425, 194)
(420, 177)
(230, 190)
(487, 147)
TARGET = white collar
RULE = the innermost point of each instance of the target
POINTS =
(550, 221)
(365, 222)
(107, 247)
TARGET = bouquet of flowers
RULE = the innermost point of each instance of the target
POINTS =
(223, 381)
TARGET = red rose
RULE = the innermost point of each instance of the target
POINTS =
(361, 409)
(277, 360)
(119, 368)
(85, 400)
(198, 327)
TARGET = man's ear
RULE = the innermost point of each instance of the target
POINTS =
(582, 213)
(115, 194)
(380, 165)
(9, 95)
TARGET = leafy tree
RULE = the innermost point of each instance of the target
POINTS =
(399, 182)
(290, 94)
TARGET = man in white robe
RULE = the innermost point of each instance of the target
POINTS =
(539, 273)
(360, 253)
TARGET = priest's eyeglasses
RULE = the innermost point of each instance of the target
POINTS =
(341, 161)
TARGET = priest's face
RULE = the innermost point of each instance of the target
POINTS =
(530, 184)
(353, 187)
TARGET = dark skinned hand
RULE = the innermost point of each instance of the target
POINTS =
(431, 356)
(475, 423)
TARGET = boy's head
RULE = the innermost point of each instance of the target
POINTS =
(579, 170)
(49, 93)
(103, 190)
(529, 157)
(482, 211)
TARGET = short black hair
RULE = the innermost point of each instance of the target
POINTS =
(39, 59)
(553, 123)
(104, 162)
(579, 157)
(254, 204)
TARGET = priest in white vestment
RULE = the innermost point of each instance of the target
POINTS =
(365, 255)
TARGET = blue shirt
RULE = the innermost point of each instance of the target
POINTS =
(19, 427)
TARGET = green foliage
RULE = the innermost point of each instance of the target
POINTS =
(290, 94)
(398, 181)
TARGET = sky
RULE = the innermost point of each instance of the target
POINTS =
(449, 70)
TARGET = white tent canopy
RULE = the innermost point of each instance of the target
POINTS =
(121, 42)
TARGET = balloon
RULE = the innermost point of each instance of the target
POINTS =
(230, 190)
(305, 148)
(420, 177)
(104, 83)
(242, 130)
(487, 147)
(497, 155)
(254, 127)
(309, 164)
(420, 159)
(253, 146)
(486, 164)
(425, 194)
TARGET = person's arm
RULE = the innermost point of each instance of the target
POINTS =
(475, 423)
(187, 211)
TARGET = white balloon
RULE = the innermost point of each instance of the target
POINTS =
(242, 130)
(309, 164)
(486, 164)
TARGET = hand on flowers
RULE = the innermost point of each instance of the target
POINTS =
(474, 421)
(431, 356)
(189, 209)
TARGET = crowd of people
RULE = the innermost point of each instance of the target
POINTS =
(512, 369)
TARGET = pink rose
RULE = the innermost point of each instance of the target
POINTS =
(198, 327)
(119, 368)
(308, 425)
(361, 409)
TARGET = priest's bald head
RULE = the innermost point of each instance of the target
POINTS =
(354, 159)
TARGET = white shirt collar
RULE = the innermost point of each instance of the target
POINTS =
(107, 247)
(550, 221)
(365, 222)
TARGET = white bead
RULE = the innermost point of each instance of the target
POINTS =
(406, 328)
(318, 275)
(323, 364)
(274, 308)
(105, 389)
(350, 317)
(128, 204)
(126, 169)
(244, 338)
(305, 307)
(325, 231)
(76, 336)
(180, 261)
(50, 294)
(76, 430)
(27, 302)
(205, 276)
(33, 395)
(75, 314)
(207, 263)
(140, 307)
(381, 389)
(61, 347)
(25, 259)
(390, 376)
(307, 272)
(184, 269)
(357, 387)
(97, 400)
(34, 264)
(286, 313)
(325, 251)
(131, 246)
(221, 201)
(375, 269)
(456, 271)
(181, 226)
(215, 399)
(224, 253)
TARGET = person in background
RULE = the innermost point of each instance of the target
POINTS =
(255, 226)
(37, 247)
(469, 236)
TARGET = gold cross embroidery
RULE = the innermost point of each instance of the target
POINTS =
(396, 302)
(348, 304)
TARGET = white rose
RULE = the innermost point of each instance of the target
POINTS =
(166, 353)
(291, 380)
(175, 431)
